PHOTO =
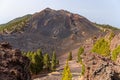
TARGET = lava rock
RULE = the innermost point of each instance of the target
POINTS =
(104, 69)
(13, 66)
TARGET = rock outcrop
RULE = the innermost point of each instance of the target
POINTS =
(115, 42)
(13, 66)
(100, 68)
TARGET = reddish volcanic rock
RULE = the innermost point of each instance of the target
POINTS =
(13, 66)
(100, 68)
(115, 42)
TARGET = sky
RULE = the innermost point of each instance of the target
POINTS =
(100, 11)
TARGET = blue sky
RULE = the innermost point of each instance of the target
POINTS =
(100, 11)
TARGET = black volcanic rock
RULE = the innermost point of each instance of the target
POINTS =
(52, 30)
(13, 66)
(60, 24)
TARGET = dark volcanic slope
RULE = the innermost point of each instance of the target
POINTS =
(52, 30)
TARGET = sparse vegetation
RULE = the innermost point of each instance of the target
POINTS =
(101, 47)
(15, 25)
(105, 26)
(115, 53)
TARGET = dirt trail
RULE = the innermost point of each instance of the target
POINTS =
(74, 66)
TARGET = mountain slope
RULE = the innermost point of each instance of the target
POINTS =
(50, 30)
(15, 25)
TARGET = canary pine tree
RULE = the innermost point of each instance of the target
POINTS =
(46, 61)
(66, 73)
(70, 56)
(81, 50)
(54, 62)
(39, 60)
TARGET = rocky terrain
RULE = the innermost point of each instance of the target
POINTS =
(60, 31)
(115, 42)
(13, 66)
(99, 67)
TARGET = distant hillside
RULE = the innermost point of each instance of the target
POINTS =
(49, 30)
(15, 25)
(106, 26)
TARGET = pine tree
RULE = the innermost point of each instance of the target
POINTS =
(36, 65)
(66, 73)
(46, 61)
(70, 56)
(54, 62)
(57, 62)
(33, 65)
(102, 47)
(81, 50)
(83, 69)
(40, 60)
